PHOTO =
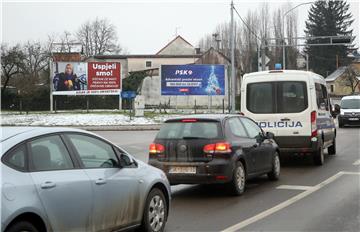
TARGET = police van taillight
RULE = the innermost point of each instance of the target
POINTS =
(314, 131)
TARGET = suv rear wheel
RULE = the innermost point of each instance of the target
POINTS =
(275, 172)
(239, 178)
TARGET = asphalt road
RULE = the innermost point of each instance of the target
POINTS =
(306, 198)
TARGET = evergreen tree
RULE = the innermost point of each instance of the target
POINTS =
(328, 18)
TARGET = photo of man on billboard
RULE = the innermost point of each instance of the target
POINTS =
(68, 80)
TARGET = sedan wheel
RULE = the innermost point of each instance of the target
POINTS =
(155, 214)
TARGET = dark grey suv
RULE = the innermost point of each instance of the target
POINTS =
(205, 149)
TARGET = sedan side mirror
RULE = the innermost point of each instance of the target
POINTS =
(126, 161)
(270, 135)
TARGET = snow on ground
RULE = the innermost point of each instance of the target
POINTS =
(80, 119)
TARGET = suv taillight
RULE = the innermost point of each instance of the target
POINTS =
(314, 131)
(222, 147)
(156, 148)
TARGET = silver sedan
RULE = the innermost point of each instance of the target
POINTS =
(60, 179)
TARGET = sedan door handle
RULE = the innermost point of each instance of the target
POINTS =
(48, 185)
(100, 181)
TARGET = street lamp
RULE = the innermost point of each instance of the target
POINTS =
(283, 18)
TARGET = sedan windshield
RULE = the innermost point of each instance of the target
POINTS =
(350, 104)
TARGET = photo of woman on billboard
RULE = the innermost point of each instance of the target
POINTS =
(66, 81)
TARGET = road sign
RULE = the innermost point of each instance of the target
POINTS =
(128, 94)
(267, 60)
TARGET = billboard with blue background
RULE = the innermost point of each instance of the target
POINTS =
(193, 79)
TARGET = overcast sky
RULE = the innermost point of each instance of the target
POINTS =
(143, 27)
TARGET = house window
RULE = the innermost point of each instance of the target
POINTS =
(148, 64)
(331, 88)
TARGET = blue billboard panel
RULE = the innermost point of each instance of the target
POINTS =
(208, 80)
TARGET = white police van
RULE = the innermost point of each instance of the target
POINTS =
(294, 105)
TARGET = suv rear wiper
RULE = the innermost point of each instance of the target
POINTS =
(193, 137)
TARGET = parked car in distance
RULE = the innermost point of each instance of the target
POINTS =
(60, 179)
(205, 149)
(295, 106)
(349, 111)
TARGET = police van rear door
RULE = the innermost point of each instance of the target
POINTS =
(294, 113)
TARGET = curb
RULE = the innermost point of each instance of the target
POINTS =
(107, 127)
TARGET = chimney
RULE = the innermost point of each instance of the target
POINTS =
(197, 51)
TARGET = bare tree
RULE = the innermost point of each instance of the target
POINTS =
(36, 59)
(265, 21)
(248, 48)
(11, 63)
(291, 33)
(351, 78)
(98, 37)
(278, 34)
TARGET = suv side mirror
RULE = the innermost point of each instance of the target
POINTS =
(270, 135)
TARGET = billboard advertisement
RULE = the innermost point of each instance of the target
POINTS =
(205, 80)
(82, 78)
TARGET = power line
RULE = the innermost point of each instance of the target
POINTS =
(248, 27)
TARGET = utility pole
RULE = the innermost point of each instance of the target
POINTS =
(307, 62)
(283, 28)
(233, 80)
(217, 41)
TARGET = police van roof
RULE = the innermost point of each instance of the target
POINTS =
(283, 72)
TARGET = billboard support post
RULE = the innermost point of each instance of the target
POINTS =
(176, 103)
(120, 102)
(209, 106)
(195, 106)
(51, 92)
(223, 105)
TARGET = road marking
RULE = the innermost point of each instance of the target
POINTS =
(294, 187)
(351, 173)
(284, 204)
(357, 162)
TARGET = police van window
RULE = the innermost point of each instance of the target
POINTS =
(292, 97)
(260, 98)
(326, 97)
(320, 95)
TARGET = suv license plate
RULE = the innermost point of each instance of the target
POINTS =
(353, 119)
(189, 170)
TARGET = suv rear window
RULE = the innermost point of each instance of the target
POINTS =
(277, 97)
(181, 130)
